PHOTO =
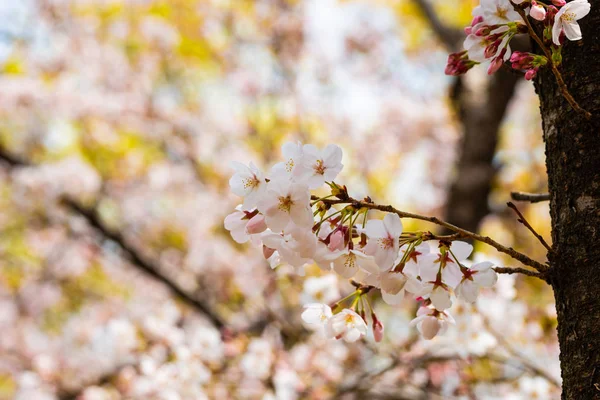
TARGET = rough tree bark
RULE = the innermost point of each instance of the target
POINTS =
(573, 166)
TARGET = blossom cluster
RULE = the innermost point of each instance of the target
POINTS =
(294, 227)
(496, 22)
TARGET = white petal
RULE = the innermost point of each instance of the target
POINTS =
(440, 298)
(375, 229)
(462, 250)
(392, 299)
(430, 327)
(393, 225)
(468, 291)
(352, 335)
(556, 30)
(451, 275)
(486, 278)
(580, 8)
(572, 30)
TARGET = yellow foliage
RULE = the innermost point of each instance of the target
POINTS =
(8, 387)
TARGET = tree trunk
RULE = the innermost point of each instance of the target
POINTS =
(573, 165)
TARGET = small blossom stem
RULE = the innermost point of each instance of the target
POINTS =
(559, 80)
(522, 220)
(434, 220)
(530, 197)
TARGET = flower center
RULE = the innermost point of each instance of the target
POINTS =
(319, 167)
(289, 165)
(386, 243)
(501, 12)
(568, 17)
(285, 203)
(350, 261)
(251, 183)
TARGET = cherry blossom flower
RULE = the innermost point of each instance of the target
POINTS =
(496, 12)
(319, 166)
(384, 240)
(317, 314)
(249, 183)
(284, 202)
(347, 325)
(431, 322)
(292, 155)
(566, 20)
(479, 275)
(349, 261)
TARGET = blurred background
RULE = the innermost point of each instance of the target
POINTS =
(118, 121)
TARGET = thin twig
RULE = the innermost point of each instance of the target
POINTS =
(530, 197)
(522, 220)
(434, 220)
(561, 83)
(510, 271)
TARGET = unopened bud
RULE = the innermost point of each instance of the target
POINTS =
(377, 328)
(256, 224)
(559, 3)
(531, 73)
(537, 11)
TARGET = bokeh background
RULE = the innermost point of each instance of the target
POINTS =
(118, 121)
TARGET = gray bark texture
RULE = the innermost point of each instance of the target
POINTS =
(573, 166)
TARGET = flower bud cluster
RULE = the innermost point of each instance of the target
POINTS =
(496, 22)
(279, 214)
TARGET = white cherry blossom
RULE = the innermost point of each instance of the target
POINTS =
(348, 263)
(317, 314)
(347, 325)
(249, 183)
(566, 20)
(384, 240)
(319, 166)
(478, 276)
(496, 12)
(431, 322)
(284, 202)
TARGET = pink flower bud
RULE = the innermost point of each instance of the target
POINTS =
(530, 74)
(336, 241)
(495, 65)
(537, 12)
(483, 31)
(492, 49)
(559, 3)
(256, 224)
(377, 329)
(430, 327)
(267, 252)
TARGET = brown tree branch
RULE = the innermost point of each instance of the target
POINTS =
(345, 199)
(522, 220)
(136, 258)
(530, 197)
(451, 37)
